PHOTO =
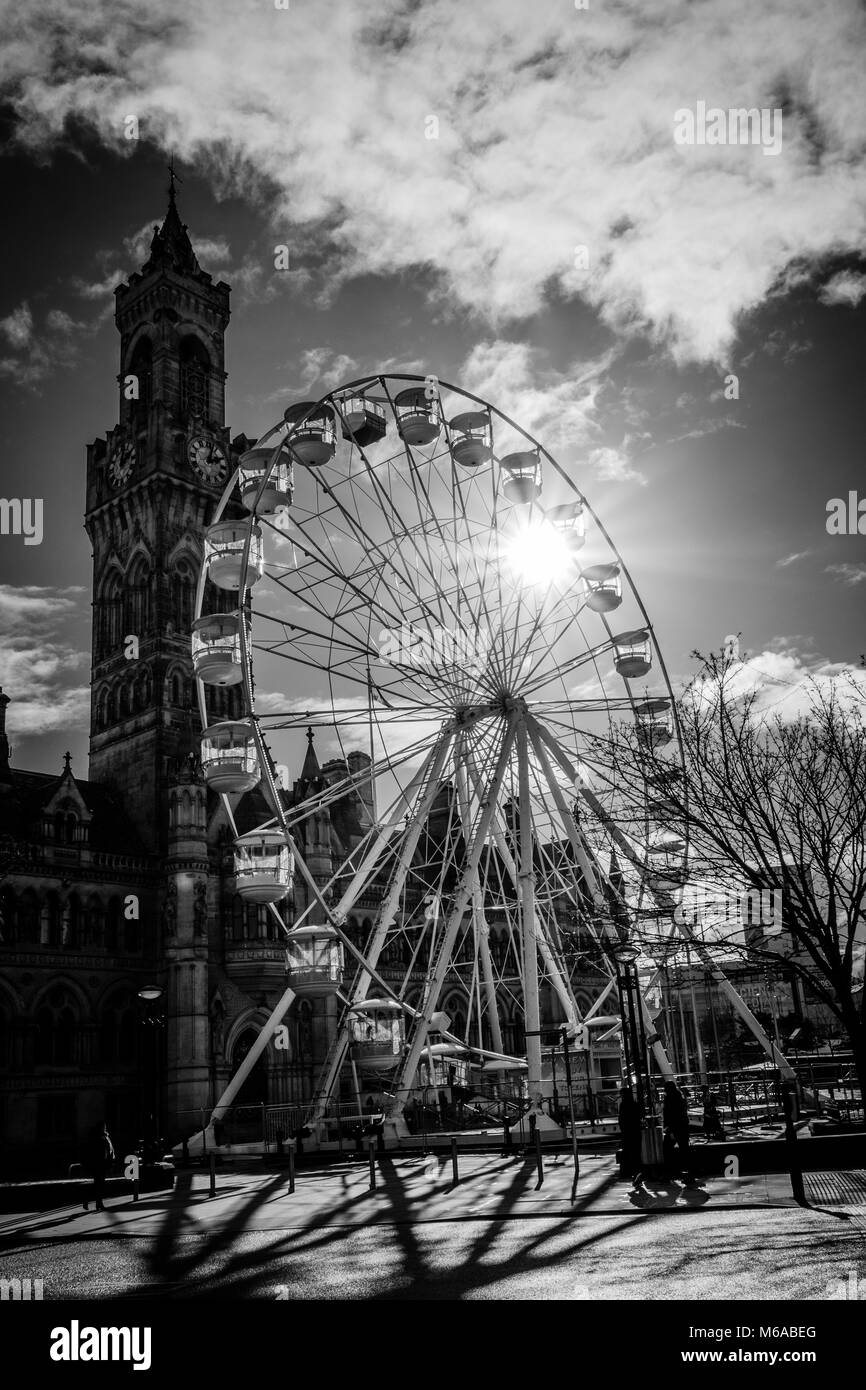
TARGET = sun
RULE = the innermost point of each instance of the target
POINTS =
(539, 553)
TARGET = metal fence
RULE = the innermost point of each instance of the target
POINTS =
(826, 1088)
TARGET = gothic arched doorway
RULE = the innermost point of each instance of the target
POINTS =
(255, 1089)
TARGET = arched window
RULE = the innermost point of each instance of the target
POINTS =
(44, 1036)
(238, 918)
(101, 710)
(57, 1029)
(194, 368)
(113, 920)
(176, 689)
(254, 1091)
(7, 916)
(131, 936)
(141, 367)
(137, 608)
(305, 1031)
(28, 916)
(117, 1031)
(64, 1038)
(94, 923)
(52, 925)
(183, 587)
(72, 922)
(110, 614)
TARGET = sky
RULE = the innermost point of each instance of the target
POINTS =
(494, 193)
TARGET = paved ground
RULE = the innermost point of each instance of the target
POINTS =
(494, 1236)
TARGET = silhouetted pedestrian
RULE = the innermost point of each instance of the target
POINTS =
(630, 1131)
(712, 1118)
(675, 1120)
(98, 1153)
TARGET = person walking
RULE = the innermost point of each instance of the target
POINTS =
(630, 1132)
(675, 1121)
(98, 1153)
(712, 1118)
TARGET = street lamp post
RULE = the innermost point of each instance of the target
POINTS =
(575, 1156)
(151, 1021)
(625, 956)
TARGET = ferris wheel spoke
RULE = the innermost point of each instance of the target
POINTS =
(389, 615)
(333, 573)
(386, 503)
(428, 509)
(557, 976)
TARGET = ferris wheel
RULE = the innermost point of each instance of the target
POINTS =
(413, 575)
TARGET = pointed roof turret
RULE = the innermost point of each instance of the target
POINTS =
(310, 772)
(170, 247)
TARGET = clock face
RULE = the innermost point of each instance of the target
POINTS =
(208, 459)
(121, 462)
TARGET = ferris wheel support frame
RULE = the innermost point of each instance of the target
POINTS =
(667, 903)
(387, 911)
(479, 920)
(405, 1074)
(431, 767)
(544, 736)
(559, 982)
(526, 875)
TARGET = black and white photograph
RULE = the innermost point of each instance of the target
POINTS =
(432, 677)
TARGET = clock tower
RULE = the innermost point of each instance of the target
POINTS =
(152, 485)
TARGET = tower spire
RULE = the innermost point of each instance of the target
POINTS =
(170, 247)
(311, 771)
(173, 178)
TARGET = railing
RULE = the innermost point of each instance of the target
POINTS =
(829, 1088)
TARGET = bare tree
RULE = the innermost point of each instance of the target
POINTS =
(769, 801)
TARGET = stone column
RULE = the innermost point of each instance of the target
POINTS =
(188, 911)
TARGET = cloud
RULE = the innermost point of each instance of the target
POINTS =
(17, 327)
(560, 409)
(40, 670)
(784, 678)
(38, 352)
(848, 573)
(323, 368)
(32, 603)
(792, 559)
(848, 287)
(546, 137)
(611, 466)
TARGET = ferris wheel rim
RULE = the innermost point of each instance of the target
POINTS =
(260, 721)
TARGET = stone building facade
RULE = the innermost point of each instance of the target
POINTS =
(124, 880)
